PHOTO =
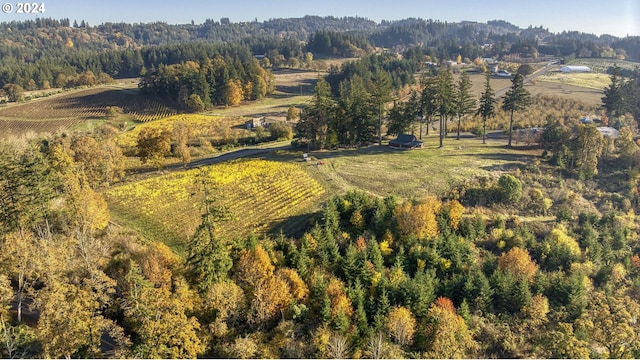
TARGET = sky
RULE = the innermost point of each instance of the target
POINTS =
(614, 17)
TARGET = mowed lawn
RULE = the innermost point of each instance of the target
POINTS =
(407, 174)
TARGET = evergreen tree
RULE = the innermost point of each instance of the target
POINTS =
(613, 101)
(486, 109)
(380, 95)
(314, 120)
(445, 100)
(517, 98)
(464, 100)
(209, 260)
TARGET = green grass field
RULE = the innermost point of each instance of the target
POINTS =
(595, 81)
(383, 171)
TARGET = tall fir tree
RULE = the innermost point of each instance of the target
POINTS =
(613, 101)
(517, 98)
(487, 107)
(464, 100)
(209, 260)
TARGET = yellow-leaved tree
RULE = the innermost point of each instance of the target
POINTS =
(418, 220)
(610, 322)
(270, 295)
(401, 325)
(518, 262)
(158, 318)
(450, 337)
(227, 301)
(455, 210)
(70, 320)
(233, 92)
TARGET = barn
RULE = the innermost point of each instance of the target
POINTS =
(575, 69)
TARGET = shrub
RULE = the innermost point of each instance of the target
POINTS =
(510, 188)
(280, 130)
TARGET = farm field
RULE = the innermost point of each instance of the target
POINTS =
(74, 108)
(600, 65)
(258, 194)
(88, 104)
(264, 193)
(210, 126)
(586, 89)
(588, 96)
(9, 128)
(595, 81)
(383, 171)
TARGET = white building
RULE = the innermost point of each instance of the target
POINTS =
(575, 69)
(608, 131)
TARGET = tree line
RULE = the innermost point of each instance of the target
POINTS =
(197, 85)
(122, 50)
(347, 107)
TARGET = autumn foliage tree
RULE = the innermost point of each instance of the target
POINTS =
(401, 324)
(610, 322)
(153, 146)
(419, 219)
(518, 262)
(449, 335)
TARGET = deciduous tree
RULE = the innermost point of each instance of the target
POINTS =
(153, 146)
(449, 335)
(519, 263)
(610, 321)
(589, 146)
(401, 325)
(562, 343)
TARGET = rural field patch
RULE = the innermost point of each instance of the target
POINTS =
(256, 193)
(209, 126)
(73, 107)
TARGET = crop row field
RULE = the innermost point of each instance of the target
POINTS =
(199, 125)
(256, 193)
(16, 128)
(601, 65)
(81, 105)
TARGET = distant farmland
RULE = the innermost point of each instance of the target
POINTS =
(69, 109)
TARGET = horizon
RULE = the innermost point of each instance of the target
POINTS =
(618, 18)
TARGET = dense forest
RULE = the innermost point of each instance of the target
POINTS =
(43, 53)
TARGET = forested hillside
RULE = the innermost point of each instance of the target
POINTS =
(509, 231)
(43, 53)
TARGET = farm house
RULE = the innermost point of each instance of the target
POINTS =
(406, 141)
(575, 69)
